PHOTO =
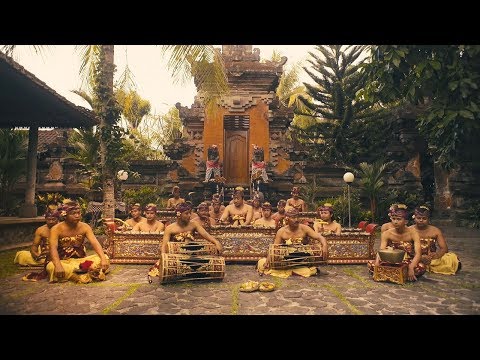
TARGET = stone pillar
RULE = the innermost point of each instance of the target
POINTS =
(29, 209)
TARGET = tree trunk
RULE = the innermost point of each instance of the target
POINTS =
(373, 208)
(107, 69)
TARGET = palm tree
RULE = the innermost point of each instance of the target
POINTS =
(202, 62)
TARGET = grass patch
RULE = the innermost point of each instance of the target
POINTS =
(117, 302)
(235, 303)
(350, 272)
(7, 267)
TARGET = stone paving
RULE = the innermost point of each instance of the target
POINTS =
(345, 290)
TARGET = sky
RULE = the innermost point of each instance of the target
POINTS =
(58, 66)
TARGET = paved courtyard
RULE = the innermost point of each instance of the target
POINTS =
(345, 290)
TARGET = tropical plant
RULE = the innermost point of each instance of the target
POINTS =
(49, 199)
(13, 162)
(145, 195)
(134, 108)
(202, 62)
(372, 182)
(340, 206)
(310, 192)
(334, 137)
(443, 79)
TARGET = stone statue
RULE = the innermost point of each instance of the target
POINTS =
(213, 163)
(259, 172)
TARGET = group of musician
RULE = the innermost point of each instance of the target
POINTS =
(60, 245)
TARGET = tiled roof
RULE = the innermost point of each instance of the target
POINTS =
(46, 108)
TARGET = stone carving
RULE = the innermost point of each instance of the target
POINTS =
(55, 173)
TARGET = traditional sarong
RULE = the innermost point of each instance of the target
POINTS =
(448, 264)
(77, 266)
(25, 258)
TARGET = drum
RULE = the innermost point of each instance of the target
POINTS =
(200, 247)
(183, 267)
(288, 256)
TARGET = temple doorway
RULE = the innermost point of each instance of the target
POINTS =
(235, 164)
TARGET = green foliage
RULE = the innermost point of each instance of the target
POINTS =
(13, 163)
(390, 196)
(338, 131)
(44, 200)
(85, 148)
(134, 108)
(443, 79)
(470, 217)
(310, 193)
(372, 182)
(340, 206)
(145, 195)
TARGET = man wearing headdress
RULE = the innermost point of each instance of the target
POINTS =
(183, 230)
(266, 221)
(203, 216)
(67, 249)
(216, 209)
(238, 213)
(213, 163)
(279, 216)
(435, 254)
(295, 234)
(401, 237)
(388, 225)
(151, 224)
(136, 215)
(326, 225)
(295, 200)
(39, 249)
(176, 199)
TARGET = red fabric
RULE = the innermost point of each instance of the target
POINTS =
(85, 265)
(258, 165)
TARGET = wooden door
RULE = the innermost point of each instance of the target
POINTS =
(235, 163)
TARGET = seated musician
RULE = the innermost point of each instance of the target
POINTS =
(136, 216)
(151, 224)
(295, 200)
(256, 208)
(327, 225)
(279, 216)
(238, 213)
(266, 221)
(388, 225)
(203, 216)
(401, 237)
(216, 210)
(295, 234)
(175, 200)
(67, 249)
(435, 254)
(39, 249)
